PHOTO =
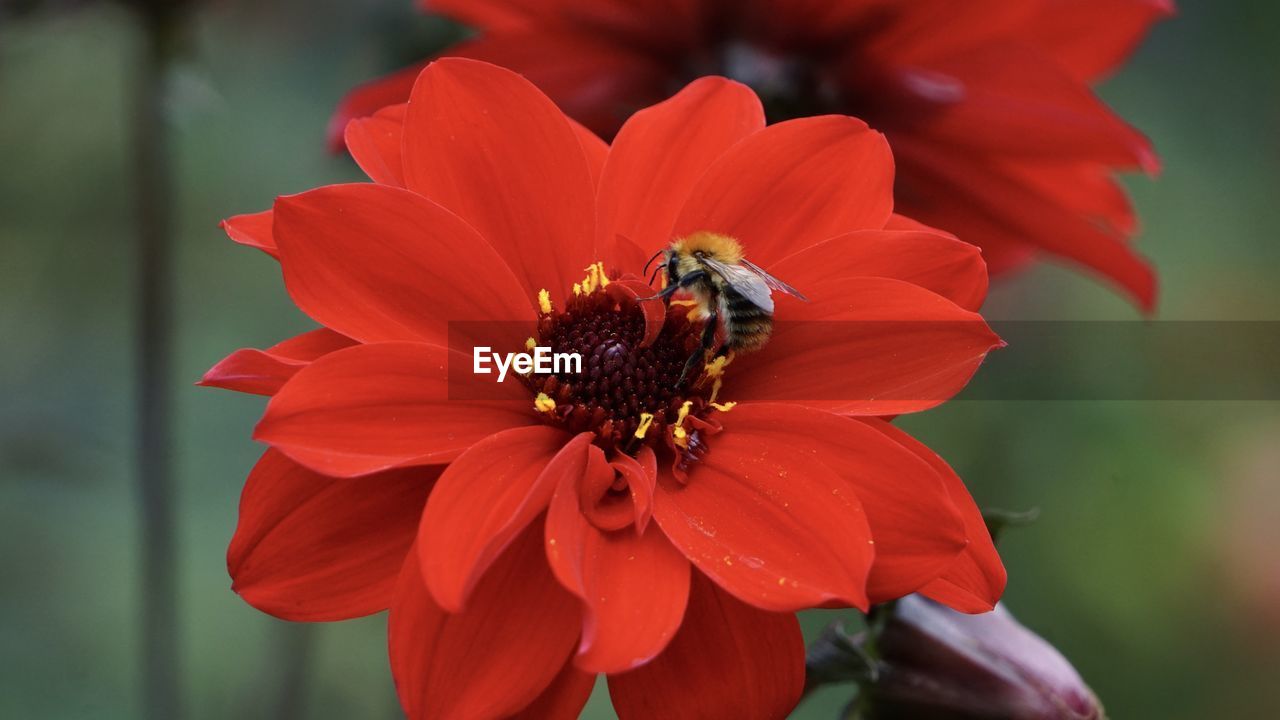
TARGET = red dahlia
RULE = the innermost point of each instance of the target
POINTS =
(531, 534)
(987, 103)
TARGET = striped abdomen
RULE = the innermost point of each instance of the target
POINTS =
(746, 325)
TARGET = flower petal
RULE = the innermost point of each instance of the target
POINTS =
(1017, 101)
(976, 578)
(865, 346)
(369, 98)
(563, 699)
(1092, 37)
(312, 548)
(915, 523)
(253, 230)
(486, 499)
(377, 407)
(379, 263)
(264, 372)
(729, 660)
(634, 586)
(933, 260)
(595, 150)
(794, 184)
(986, 204)
(374, 143)
(594, 79)
(660, 154)
(474, 128)
(760, 518)
(495, 658)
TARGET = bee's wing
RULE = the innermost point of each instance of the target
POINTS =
(747, 283)
(773, 282)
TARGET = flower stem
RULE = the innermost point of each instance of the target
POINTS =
(153, 179)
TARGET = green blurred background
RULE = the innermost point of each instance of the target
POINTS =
(1155, 565)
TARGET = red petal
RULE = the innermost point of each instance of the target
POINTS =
(595, 149)
(495, 658)
(761, 519)
(660, 154)
(254, 230)
(634, 586)
(263, 372)
(1017, 101)
(374, 143)
(1093, 37)
(729, 660)
(379, 263)
(594, 79)
(865, 346)
(376, 407)
(917, 528)
(975, 580)
(795, 184)
(933, 260)
(563, 699)
(985, 204)
(485, 499)
(641, 475)
(369, 98)
(473, 128)
(655, 313)
(313, 548)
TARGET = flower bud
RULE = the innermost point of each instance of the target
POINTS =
(936, 663)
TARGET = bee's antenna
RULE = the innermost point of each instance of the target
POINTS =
(646, 265)
(653, 275)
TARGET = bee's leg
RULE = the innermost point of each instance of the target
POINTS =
(700, 355)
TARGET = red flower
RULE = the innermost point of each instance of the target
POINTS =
(986, 103)
(543, 531)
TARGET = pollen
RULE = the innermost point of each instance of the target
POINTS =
(530, 344)
(678, 433)
(646, 419)
(543, 403)
(723, 407)
(715, 368)
(544, 301)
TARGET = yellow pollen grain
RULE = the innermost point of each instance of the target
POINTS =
(604, 279)
(544, 301)
(577, 289)
(530, 344)
(782, 581)
(646, 419)
(543, 403)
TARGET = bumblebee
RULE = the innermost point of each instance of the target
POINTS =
(725, 287)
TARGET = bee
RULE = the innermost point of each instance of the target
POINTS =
(726, 287)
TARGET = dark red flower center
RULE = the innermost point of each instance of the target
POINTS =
(627, 391)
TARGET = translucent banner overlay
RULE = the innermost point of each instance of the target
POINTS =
(911, 361)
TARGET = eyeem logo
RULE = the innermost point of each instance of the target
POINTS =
(541, 360)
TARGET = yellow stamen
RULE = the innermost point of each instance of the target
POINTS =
(577, 289)
(646, 419)
(544, 301)
(724, 407)
(530, 344)
(715, 390)
(715, 368)
(543, 403)
(677, 431)
(604, 279)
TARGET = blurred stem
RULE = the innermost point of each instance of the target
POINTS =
(154, 197)
(294, 644)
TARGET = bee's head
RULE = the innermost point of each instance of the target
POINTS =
(668, 256)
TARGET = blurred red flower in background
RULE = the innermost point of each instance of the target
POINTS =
(987, 103)
(544, 531)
